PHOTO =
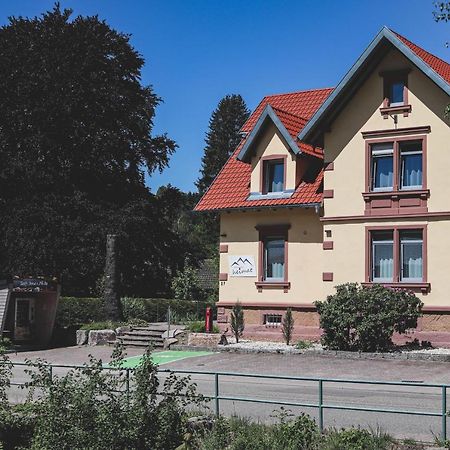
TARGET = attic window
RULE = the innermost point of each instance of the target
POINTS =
(273, 175)
(395, 92)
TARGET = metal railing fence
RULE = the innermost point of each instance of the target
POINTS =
(320, 405)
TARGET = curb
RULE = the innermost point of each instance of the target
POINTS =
(405, 356)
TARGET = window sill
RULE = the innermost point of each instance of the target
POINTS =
(417, 286)
(398, 109)
(285, 285)
(422, 193)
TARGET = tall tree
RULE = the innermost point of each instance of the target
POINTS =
(75, 143)
(222, 137)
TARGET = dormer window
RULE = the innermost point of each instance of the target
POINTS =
(273, 175)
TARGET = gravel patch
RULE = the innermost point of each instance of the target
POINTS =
(316, 349)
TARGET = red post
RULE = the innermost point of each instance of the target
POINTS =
(208, 320)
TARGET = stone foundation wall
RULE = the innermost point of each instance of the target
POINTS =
(432, 326)
(203, 339)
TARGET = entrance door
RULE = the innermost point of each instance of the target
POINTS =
(24, 319)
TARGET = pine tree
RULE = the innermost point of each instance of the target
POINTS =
(237, 322)
(288, 326)
(222, 137)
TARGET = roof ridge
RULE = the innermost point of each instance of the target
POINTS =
(418, 46)
(298, 92)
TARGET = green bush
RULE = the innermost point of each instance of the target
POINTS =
(199, 327)
(242, 434)
(75, 311)
(89, 408)
(358, 318)
(108, 325)
(302, 345)
(17, 425)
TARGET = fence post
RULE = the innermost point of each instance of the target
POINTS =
(216, 393)
(168, 322)
(444, 414)
(320, 406)
(127, 384)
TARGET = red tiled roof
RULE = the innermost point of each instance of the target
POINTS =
(231, 187)
(440, 66)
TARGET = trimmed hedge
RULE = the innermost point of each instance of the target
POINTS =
(74, 312)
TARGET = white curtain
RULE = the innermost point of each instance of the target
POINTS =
(277, 270)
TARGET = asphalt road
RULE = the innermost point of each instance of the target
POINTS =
(386, 397)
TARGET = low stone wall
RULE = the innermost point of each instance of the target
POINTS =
(209, 340)
(95, 337)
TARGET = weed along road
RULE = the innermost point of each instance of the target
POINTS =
(417, 398)
(411, 398)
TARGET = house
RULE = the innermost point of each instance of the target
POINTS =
(28, 309)
(340, 185)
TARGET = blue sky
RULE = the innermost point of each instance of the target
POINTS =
(197, 51)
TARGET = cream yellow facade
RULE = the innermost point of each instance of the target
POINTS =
(271, 143)
(238, 232)
(329, 245)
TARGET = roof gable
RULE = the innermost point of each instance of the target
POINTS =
(269, 114)
(435, 68)
(230, 189)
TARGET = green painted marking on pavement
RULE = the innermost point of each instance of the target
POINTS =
(163, 357)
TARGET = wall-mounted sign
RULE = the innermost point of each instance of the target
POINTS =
(242, 266)
(33, 285)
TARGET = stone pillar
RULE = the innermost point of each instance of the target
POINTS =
(111, 292)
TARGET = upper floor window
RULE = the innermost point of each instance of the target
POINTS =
(273, 175)
(395, 88)
(396, 165)
(382, 167)
(411, 165)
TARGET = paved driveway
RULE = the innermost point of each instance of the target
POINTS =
(389, 397)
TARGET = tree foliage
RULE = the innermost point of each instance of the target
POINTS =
(358, 318)
(221, 140)
(75, 143)
(222, 137)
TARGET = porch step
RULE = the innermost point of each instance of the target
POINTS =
(143, 336)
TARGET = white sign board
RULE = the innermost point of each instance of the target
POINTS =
(242, 266)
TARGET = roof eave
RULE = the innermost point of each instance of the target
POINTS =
(246, 208)
(385, 34)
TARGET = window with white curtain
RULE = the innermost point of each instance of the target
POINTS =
(274, 259)
(411, 165)
(382, 166)
(383, 256)
(274, 175)
(411, 255)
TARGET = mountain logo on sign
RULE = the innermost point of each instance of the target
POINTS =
(241, 261)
